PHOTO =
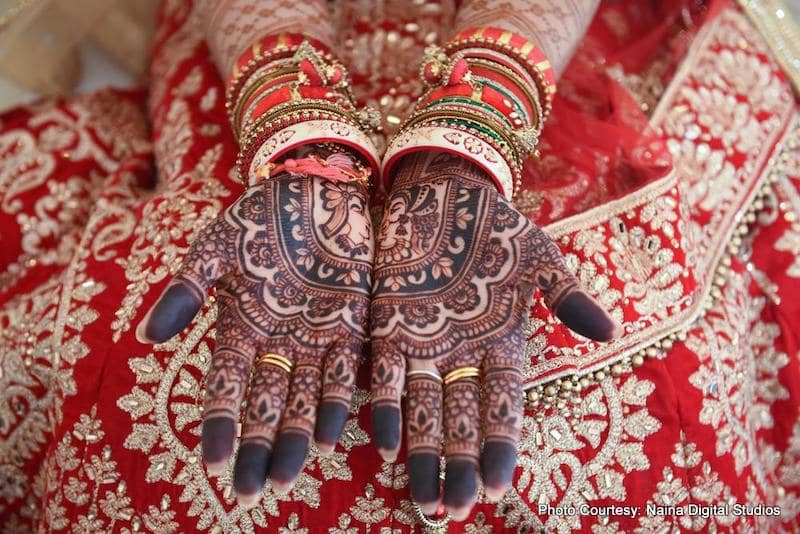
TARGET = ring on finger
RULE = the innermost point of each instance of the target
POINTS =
(461, 372)
(279, 361)
(425, 372)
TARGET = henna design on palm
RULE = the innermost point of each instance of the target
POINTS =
(455, 270)
(291, 260)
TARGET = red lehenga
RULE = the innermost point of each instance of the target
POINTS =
(670, 177)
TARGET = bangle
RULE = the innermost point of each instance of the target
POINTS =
(488, 94)
(507, 142)
(520, 85)
(287, 91)
(321, 130)
(516, 47)
(488, 143)
(280, 117)
(270, 48)
(455, 139)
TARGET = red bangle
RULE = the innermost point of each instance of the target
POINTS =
(244, 108)
(483, 94)
(509, 85)
(287, 93)
(266, 49)
(517, 47)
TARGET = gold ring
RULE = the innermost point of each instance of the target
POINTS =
(461, 372)
(425, 372)
(270, 358)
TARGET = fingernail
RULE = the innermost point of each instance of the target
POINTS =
(217, 440)
(215, 469)
(248, 501)
(173, 311)
(494, 495)
(387, 455)
(498, 461)
(288, 458)
(331, 419)
(386, 429)
(583, 314)
(282, 488)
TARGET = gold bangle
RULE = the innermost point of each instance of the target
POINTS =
(248, 91)
(271, 358)
(461, 372)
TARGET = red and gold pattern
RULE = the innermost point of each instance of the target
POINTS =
(516, 47)
(100, 433)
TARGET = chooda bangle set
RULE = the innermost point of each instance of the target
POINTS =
(488, 94)
(287, 91)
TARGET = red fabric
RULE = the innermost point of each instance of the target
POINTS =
(99, 433)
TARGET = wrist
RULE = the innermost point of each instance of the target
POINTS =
(288, 91)
(319, 161)
(427, 168)
(489, 92)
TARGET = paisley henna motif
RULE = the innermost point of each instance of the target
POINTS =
(455, 270)
(292, 263)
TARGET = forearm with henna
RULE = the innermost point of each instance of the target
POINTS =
(231, 26)
(455, 270)
(557, 26)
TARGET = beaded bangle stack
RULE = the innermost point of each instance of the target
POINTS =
(489, 93)
(286, 91)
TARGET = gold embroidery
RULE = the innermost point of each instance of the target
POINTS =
(292, 526)
(92, 482)
(721, 119)
(738, 374)
(39, 345)
(704, 488)
(191, 202)
(612, 431)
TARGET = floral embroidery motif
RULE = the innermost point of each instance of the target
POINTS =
(551, 466)
(738, 374)
(161, 435)
(719, 137)
(647, 269)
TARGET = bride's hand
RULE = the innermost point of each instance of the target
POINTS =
(455, 270)
(292, 263)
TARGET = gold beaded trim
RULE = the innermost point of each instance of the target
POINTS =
(435, 525)
(557, 392)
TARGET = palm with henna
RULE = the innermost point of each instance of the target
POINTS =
(291, 260)
(455, 271)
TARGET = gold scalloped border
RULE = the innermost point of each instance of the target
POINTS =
(557, 391)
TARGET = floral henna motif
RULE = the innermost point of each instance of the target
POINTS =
(455, 270)
(292, 262)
